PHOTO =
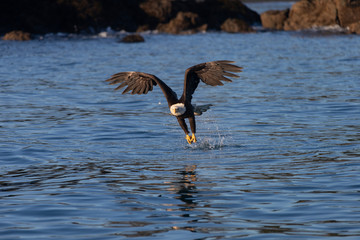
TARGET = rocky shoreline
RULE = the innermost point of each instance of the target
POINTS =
(22, 18)
(307, 14)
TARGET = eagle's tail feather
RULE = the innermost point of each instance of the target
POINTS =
(198, 110)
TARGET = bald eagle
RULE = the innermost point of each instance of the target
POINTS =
(211, 73)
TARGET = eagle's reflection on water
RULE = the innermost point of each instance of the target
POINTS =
(186, 191)
(186, 186)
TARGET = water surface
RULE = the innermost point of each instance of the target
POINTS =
(277, 157)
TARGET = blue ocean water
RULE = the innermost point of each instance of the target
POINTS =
(277, 158)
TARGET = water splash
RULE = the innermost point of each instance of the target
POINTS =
(214, 138)
(211, 143)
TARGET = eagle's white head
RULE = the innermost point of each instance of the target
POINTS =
(178, 109)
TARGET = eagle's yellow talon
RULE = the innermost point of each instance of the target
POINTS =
(188, 139)
(193, 138)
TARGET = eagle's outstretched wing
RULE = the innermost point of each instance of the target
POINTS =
(211, 73)
(141, 83)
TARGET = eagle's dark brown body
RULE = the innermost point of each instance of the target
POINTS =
(211, 73)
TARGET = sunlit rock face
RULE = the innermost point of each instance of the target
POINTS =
(306, 14)
(17, 36)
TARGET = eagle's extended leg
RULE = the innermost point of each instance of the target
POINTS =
(184, 127)
(193, 128)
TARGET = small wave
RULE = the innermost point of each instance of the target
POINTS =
(331, 29)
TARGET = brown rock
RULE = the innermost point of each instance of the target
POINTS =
(348, 11)
(133, 38)
(274, 19)
(309, 13)
(234, 25)
(17, 36)
(314, 13)
(185, 22)
(354, 27)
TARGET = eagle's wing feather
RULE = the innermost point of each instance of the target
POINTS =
(141, 83)
(135, 81)
(211, 73)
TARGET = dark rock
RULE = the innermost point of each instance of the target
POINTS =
(17, 36)
(185, 22)
(133, 38)
(91, 16)
(234, 25)
(216, 12)
(143, 28)
(69, 16)
(274, 19)
(158, 9)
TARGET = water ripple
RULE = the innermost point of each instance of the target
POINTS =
(277, 156)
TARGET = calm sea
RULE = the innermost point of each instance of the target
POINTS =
(278, 155)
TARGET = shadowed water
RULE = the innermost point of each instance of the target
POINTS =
(277, 157)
